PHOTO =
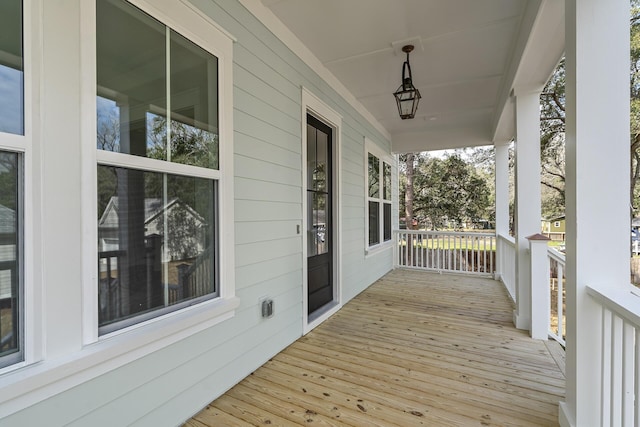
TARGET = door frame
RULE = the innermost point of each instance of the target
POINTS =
(311, 104)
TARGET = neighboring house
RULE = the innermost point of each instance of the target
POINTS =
(555, 227)
(174, 215)
(7, 251)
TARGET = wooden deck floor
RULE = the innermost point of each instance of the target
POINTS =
(414, 349)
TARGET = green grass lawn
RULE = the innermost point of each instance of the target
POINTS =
(452, 244)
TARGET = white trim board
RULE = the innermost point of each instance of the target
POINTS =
(314, 106)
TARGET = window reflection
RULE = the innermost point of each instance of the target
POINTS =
(374, 176)
(156, 241)
(9, 255)
(136, 113)
(11, 68)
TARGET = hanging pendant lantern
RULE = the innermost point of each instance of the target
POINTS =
(407, 96)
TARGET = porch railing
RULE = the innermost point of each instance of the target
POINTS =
(619, 344)
(557, 328)
(444, 251)
(506, 252)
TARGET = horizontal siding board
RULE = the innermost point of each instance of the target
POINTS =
(273, 287)
(260, 231)
(248, 210)
(250, 275)
(265, 131)
(256, 107)
(262, 89)
(251, 253)
(247, 167)
(257, 190)
(260, 150)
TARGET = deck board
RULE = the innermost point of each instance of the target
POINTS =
(414, 349)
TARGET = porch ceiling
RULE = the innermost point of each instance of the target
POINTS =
(469, 56)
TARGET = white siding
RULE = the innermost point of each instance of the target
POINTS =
(169, 385)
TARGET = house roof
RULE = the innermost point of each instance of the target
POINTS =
(555, 218)
(152, 208)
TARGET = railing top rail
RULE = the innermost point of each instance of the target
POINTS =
(624, 302)
(446, 233)
(556, 255)
(507, 238)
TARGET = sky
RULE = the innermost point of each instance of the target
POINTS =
(11, 112)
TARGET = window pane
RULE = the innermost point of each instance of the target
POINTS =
(374, 223)
(387, 221)
(136, 115)
(374, 176)
(131, 76)
(194, 104)
(11, 68)
(156, 243)
(10, 328)
(387, 180)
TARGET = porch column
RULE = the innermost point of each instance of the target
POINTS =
(527, 197)
(597, 186)
(502, 198)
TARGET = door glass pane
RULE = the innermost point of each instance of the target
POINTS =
(317, 237)
(194, 104)
(9, 258)
(312, 236)
(11, 68)
(156, 242)
(320, 173)
(320, 222)
(311, 157)
(374, 176)
(387, 181)
(374, 223)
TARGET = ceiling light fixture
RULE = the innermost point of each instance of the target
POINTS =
(407, 96)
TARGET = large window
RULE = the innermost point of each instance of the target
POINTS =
(158, 173)
(378, 198)
(11, 122)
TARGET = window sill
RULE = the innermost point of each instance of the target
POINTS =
(25, 385)
(381, 247)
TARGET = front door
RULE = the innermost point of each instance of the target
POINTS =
(319, 214)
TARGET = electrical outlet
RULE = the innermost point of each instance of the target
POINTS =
(266, 307)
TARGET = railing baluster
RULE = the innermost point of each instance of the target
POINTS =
(628, 373)
(560, 299)
(605, 380)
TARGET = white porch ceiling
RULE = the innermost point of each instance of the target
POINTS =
(469, 56)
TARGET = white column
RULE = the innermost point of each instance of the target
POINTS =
(597, 186)
(502, 198)
(527, 199)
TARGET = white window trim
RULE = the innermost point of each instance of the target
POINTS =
(371, 147)
(313, 105)
(156, 332)
(31, 304)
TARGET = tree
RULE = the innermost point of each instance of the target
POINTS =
(635, 106)
(552, 142)
(449, 189)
